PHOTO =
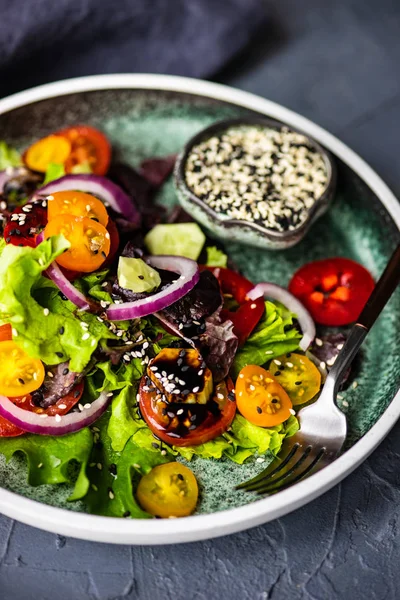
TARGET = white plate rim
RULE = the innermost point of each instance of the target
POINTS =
(199, 527)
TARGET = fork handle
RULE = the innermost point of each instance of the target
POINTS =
(379, 297)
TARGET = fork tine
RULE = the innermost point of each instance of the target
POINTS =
(291, 467)
(271, 488)
(269, 472)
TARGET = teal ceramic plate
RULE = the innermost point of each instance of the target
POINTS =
(148, 115)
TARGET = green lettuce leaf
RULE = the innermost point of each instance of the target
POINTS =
(53, 171)
(215, 257)
(9, 157)
(37, 312)
(274, 335)
(114, 475)
(244, 440)
(49, 458)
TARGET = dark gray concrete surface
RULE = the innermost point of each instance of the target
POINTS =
(336, 63)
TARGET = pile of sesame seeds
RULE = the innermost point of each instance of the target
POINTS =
(271, 177)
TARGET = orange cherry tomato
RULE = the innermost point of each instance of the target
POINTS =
(260, 398)
(5, 332)
(90, 242)
(89, 146)
(51, 149)
(78, 204)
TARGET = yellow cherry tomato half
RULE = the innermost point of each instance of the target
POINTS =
(19, 373)
(169, 490)
(78, 204)
(297, 375)
(260, 398)
(90, 242)
(51, 149)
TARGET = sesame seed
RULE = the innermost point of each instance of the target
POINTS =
(345, 403)
(58, 418)
(110, 394)
(80, 406)
(339, 346)
(99, 466)
(94, 487)
(289, 364)
(277, 362)
(50, 374)
(259, 410)
(180, 411)
(355, 384)
(136, 465)
(292, 412)
(163, 452)
(62, 406)
(46, 312)
(241, 375)
(86, 336)
(40, 465)
(322, 365)
(260, 459)
(253, 305)
(318, 342)
(196, 389)
(14, 332)
(87, 406)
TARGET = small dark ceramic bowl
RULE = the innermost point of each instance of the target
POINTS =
(246, 232)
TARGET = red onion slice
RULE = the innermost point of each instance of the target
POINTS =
(276, 292)
(32, 422)
(64, 285)
(189, 276)
(101, 187)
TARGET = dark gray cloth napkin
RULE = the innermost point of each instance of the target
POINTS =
(46, 40)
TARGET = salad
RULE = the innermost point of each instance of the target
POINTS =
(129, 343)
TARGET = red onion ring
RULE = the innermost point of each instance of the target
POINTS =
(189, 276)
(32, 422)
(276, 292)
(65, 286)
(101, 187)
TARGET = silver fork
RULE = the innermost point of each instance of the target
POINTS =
(323, 426)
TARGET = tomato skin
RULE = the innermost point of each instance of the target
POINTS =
(90, 242)
(5, 332)
(8, 429)
(169, 490)
(334, 290)
(211, 427)
(87, 145)
(231, 282)
(246, 318)
(260, 398)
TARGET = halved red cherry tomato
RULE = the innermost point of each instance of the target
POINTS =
(90, 242)
(182, 430)
(25, 222)
(245, 318)
(78, 204)
(260, 398)
(169, 490)
(334, 290)
(88, 146)
(61, 407)
(231, 282)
